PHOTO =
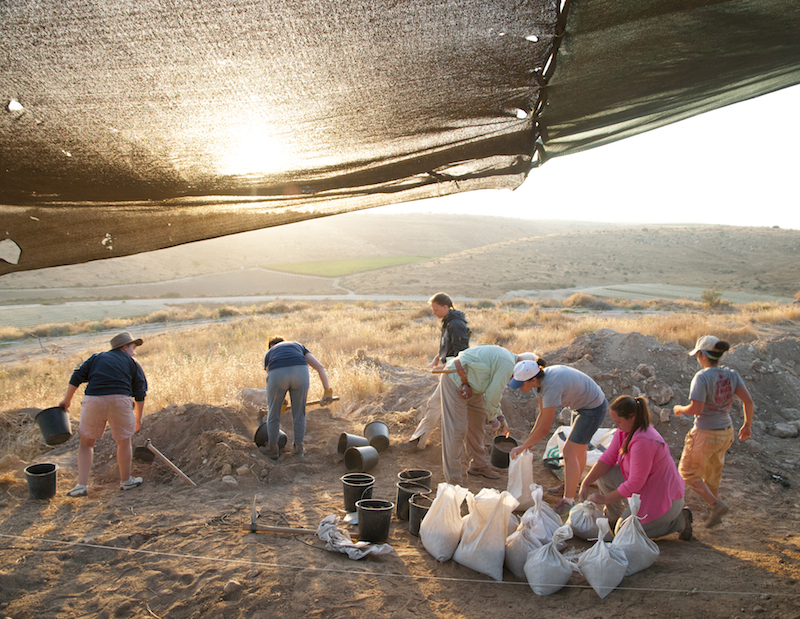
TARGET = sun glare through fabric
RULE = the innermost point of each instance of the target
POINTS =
(251, 151)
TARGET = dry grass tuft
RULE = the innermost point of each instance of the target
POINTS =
(355, 343)
(19, 434)
(8, 479)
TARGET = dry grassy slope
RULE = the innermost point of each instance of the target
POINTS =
(347, 236)
(759, 260)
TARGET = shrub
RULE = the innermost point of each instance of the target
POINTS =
(581, 299)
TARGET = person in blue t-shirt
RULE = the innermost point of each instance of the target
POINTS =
(115, 390)
(286, 364)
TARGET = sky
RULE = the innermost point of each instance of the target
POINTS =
(742, 172)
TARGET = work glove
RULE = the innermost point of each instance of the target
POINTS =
(285, 406)
(327, 397)
(499, 425)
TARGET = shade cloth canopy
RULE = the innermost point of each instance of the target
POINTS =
(132, 126)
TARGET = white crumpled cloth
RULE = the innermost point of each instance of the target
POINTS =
(338, 540)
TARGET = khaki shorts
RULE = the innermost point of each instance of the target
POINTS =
(704, 455)
(116, 410)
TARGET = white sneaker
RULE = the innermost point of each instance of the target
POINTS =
(79, 490)
(133, 482)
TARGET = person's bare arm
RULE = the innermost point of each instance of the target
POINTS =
(67, 401)
(138, 411)
(695, 408)
(540, 429)
(314, 363)
(746, 430)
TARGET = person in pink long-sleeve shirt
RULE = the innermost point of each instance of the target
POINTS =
(638, 461)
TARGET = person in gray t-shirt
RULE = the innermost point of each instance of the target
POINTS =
(712, 391)
(561, 385)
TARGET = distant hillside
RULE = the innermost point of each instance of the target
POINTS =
(351, 236)
(474, 257)
(753, 260)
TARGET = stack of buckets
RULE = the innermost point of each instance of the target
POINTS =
(375, 515)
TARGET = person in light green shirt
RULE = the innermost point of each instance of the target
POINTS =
(488, 369)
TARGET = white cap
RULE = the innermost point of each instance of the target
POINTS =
(707, 342)
(524, 370)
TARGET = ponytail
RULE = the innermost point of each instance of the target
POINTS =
(720, 348)
(629, 407)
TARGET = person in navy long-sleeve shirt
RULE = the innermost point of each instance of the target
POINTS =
(115, 391)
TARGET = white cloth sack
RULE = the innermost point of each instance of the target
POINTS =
(521, 542)
(583, 520)
(604, 564)
(639, 549)
(520, 478)
(513, 523)
(554, 450)
(440, 529)
(546, 569)
(339, 540)
(483, 543)
(544, 519)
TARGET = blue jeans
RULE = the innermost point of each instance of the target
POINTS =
(587, 423)
(294, 380)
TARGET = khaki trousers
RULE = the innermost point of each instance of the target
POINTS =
(463, 428)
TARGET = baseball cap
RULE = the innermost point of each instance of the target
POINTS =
(707, 342)
(524, 370)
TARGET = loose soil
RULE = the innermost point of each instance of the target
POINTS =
(168, 549)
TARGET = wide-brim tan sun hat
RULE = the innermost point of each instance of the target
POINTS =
(123, 339)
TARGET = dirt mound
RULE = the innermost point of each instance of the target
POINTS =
(170, 549)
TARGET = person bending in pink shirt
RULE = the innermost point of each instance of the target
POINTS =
(638, 461)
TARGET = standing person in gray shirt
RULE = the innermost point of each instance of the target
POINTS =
(712, 391)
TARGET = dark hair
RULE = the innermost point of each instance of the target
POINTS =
(720, 348)
(542, 365)
(275, 339)
(440, 298)
(627, 406)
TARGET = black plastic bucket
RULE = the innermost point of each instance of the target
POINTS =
(501, 450)
(419, 476)
(406, 490)
(357, 486)
(54, 424)
(377, 433)
(418, 506)
(361, 459)
(41, 480)
(261, 437)
(374, 518)
(346, 441)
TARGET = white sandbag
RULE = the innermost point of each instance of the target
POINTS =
(546, 519)
(520, 478)
(440, 529)
(546, 569)
(583, 520)
(483, 541)
(604, 564)
(513, 523)
(639, 549)
(521, 542)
